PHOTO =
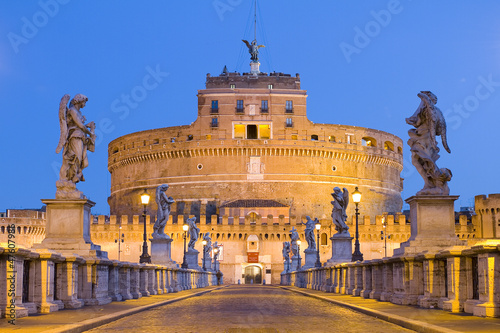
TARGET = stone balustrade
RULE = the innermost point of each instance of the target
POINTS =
(464, 280)
(43, 281)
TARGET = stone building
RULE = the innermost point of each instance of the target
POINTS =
(252, 143)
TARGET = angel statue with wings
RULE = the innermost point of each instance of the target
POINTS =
(253, 49)
(76, 138)
(339, 216)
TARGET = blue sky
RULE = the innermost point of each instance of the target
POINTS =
(362, 63)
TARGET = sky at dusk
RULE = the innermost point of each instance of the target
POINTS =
(362, 63)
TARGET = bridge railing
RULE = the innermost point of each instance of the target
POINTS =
(43, 281)
(466, 280)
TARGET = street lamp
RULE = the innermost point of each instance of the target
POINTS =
(204, 242)
(216, 251)
(298, 250)
(185, 227)
(145, 257)
(121, 239)
(384, 235)
(318, 262)
(356, 198)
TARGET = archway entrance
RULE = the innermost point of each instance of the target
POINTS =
(253, 273)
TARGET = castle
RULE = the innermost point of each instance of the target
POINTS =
(251, 167)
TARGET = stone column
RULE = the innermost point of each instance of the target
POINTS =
(358, 280)
(489, 284)
(377, 279)
(44, 282)
(143, 284)
(124, 281)
(387, 281)
(114, 281)
(457, 282)
(152, 281)
(135, 281)
(434, 279)
(367, 280)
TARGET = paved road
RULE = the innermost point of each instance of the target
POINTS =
(249, 308)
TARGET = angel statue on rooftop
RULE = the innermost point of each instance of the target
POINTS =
(76, 138)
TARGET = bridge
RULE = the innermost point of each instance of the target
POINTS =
(252, 308)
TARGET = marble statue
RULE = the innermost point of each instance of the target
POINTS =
(164, 202)
(339, 216)
(286, 256)
(194, 231)
(294, 237)
(208, 247)
(253, 49)
(76, 138)
(309, 233)
(429, 122)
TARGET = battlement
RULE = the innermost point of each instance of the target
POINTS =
(236, 80)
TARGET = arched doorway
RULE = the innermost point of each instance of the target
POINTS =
(253, 273)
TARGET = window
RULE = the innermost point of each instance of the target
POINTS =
(239, 105)
(215, 122)
(190, 137)
(252, 132)
(331, 138)
(289, 122)
(264, 131)
(324, 239)
(368, 142)
(294, 137)
(232, 86)
(215, 106)
(388, 146)
(239, 131)
(269, 86)
(289, 107)
(314, 137)
(263, 106)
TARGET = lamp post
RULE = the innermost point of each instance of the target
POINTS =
(204, 242)
(384, 235)
(356, 198)
(145, 257)
(185, 227)
(318, 262)
(121, 239)
(298, 250)
(216, 251)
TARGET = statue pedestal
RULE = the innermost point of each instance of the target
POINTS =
(68, 228)
(192, 259)
(254, 67)
(160, 252)
(295, 263)
(208, 263)
(432, 225)
(286, 266)
(310, 258)
(341, 249)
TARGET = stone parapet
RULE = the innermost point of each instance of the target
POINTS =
(53, 281)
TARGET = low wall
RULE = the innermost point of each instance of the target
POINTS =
(466, 280)
(42, 281)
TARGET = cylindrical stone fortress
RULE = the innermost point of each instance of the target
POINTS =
(252, 140)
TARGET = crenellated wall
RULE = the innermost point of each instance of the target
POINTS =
(488, 215)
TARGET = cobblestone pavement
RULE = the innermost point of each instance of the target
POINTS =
(248, 308)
